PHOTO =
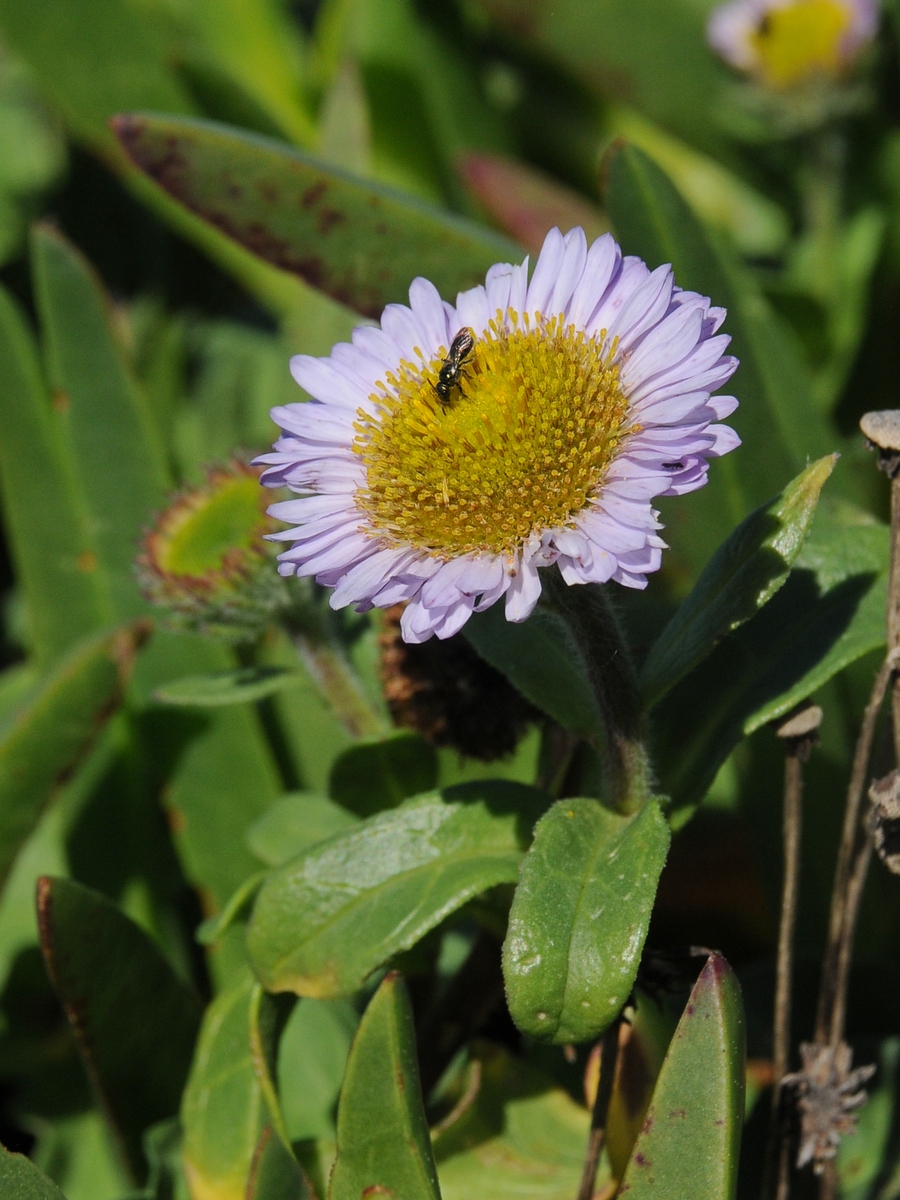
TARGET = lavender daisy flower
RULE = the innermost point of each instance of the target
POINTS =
(786, 42)
(448, 482)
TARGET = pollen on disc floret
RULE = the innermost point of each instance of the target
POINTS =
(447, 479)
(521, 447)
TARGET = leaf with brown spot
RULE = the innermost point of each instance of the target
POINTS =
(358, 241)
(384, 1148)
(690, 1141)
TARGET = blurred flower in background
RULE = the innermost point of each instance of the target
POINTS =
(585, 393)
(785, 43)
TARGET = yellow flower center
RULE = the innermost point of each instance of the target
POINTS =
(801, 40)
(520, 445)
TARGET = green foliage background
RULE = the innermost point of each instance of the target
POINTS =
(139, 343)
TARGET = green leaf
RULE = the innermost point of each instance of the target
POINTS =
(323, 923)
(540, 660)
(274, 1173)
(21, 1180)
(383, 1142)
(518, 1136)
(777, 420)
(113, 441)
(580, 916)
(830, 612)
(55, 728)
(243, 685)
(223, 775)
(48, 535)
(691, 1137)
(357, 241)
(293, 824)
(223, 1110)
(375, 775)
(136, 1025)
(742, 576)
(93, 58)
(312, 1056)
(847, 563)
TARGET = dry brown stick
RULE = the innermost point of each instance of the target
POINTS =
(608, 1060)
(848, 850)
(800, 734)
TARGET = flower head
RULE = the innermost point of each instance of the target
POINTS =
(784, 43)
(205, 559)
(585, 392)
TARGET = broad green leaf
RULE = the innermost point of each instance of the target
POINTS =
(118, 460)
(376, 775)
(293, 824)
(93, 58)
(274, 1173)
(580, 916)
(55, 727)
(78, 1152)
(324, 922)
(830, 612)
(689, 1144)
(47, 532)
(243, 685)
(383, 1141)
(540, 660)
(843, 561)
(521, 1136)
(357, 241)
(20, 1179)
(223, 774)
(777, 420)
(223, 1110)
(136, 1025)
(742, 576)
(312, 1055)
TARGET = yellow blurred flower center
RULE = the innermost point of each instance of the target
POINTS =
(521, 445)
(801, 40)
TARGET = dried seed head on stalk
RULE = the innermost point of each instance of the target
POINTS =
(884, 819)
(828, 1097)
(449, 694)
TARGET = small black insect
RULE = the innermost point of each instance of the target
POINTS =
(673, 466)
(452, 368)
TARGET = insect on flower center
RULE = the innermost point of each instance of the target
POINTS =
(519, 445)
(801, 40)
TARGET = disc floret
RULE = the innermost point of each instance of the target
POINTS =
(523, 447)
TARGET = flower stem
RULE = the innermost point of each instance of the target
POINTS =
(608, 1059)
(338, 683)
(799, 734)
(595, 632)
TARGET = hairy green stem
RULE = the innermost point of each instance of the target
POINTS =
(595, 633)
